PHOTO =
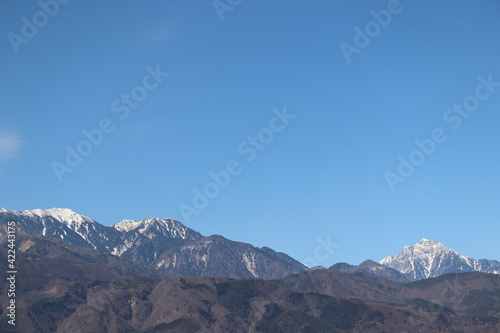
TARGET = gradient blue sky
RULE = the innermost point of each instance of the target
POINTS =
(322, 176)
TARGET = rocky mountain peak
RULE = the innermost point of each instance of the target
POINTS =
(429, 258)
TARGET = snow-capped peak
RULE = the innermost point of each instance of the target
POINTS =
(429, 258)
(64, 215)
(167, 227)
(425, 242)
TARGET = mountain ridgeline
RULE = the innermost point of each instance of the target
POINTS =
(173, 249)
(164, 244)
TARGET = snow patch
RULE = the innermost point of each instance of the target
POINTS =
(249, 259)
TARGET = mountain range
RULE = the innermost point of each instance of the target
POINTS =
(173, 249)
(157, 275)
(67, 288)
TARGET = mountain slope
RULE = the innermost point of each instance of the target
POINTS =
(314, 301)
(447, 290)
(428, 259)
(144, 241)
(220, 257)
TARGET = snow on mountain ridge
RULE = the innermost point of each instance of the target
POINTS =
(65, 215)
(61, 223)
(152, 225)
(126, 225)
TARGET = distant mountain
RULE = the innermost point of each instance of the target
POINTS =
(370, 267)
(165, 244)
(428, 259)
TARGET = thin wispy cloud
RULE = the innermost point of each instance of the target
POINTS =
(10, 144)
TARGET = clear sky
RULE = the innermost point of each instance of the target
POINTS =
(354, 90)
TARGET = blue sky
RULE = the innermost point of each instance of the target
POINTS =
(321, 176)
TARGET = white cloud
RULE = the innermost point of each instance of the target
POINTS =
(10, 144)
